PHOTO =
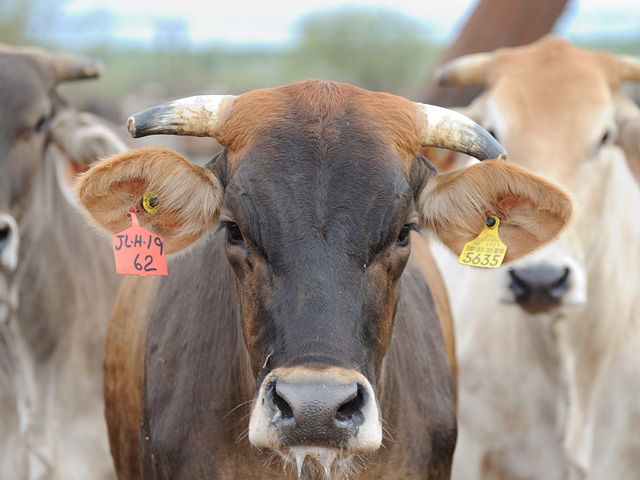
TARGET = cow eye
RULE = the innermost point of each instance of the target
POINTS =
(234, 235)
(403, 237)
(41, 125)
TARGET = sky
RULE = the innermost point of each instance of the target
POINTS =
(273, 22)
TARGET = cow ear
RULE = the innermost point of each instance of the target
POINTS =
(189, 196)
(531, 209)
(79, 139)
(628, 120)
(445, 160)
(84, 137)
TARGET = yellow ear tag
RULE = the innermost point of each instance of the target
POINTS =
(150, 202)
(486, 250)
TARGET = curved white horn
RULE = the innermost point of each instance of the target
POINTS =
(199, 116)
(466, 70)
(444, 128)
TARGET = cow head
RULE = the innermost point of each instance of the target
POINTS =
(316, 192)
(558, 111)
(28, 105)
(38, 131)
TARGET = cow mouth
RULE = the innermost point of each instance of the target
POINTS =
(321, 463)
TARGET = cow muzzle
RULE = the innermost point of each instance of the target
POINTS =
(539, 288)
(325, 414)
(545, 281)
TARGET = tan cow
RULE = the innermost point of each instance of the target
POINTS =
(549, 351)
(302, 340)
(57, 282)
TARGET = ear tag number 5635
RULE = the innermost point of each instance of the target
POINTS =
(138, 251)
(486, 250)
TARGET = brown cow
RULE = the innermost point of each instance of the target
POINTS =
(549, 361)
(56, 285)
(305, 329)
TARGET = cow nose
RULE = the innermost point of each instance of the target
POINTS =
(539, 288)
(318, 414)
(9, 242)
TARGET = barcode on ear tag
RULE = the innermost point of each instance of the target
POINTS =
(486, 250)
(138, 251)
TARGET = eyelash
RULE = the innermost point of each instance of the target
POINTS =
(234, 235)
(403, 237)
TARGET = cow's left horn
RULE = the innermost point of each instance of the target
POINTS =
(444, 128)
(629, 68)
(466, 70)
(199, 116)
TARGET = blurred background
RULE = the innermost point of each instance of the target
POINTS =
(155, 51)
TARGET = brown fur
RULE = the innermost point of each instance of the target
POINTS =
(258, 111)
(420, 250)
(123, 372)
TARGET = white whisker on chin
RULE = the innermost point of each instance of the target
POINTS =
(317, 463)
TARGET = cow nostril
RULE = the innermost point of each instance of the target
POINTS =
(562, 281)
(351, 407)
(5, 231)
(518, 285)
(561, 285)
(282, 405)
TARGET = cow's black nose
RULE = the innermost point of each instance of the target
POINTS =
(316, 413)
(539, 288)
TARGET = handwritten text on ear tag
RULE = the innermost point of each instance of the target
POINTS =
(138, 251)
(486, 250)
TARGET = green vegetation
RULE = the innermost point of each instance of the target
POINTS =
(375, 49)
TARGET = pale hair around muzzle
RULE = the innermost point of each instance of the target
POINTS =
(202, 116)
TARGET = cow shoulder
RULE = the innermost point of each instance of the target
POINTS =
(123, 372)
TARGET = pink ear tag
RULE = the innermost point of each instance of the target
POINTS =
(138, 251)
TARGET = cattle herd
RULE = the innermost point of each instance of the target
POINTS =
(315, 323)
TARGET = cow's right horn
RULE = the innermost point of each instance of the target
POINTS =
(199, 116)
(466, 70)
(74, 67)
(66, 66)
(444, 128)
